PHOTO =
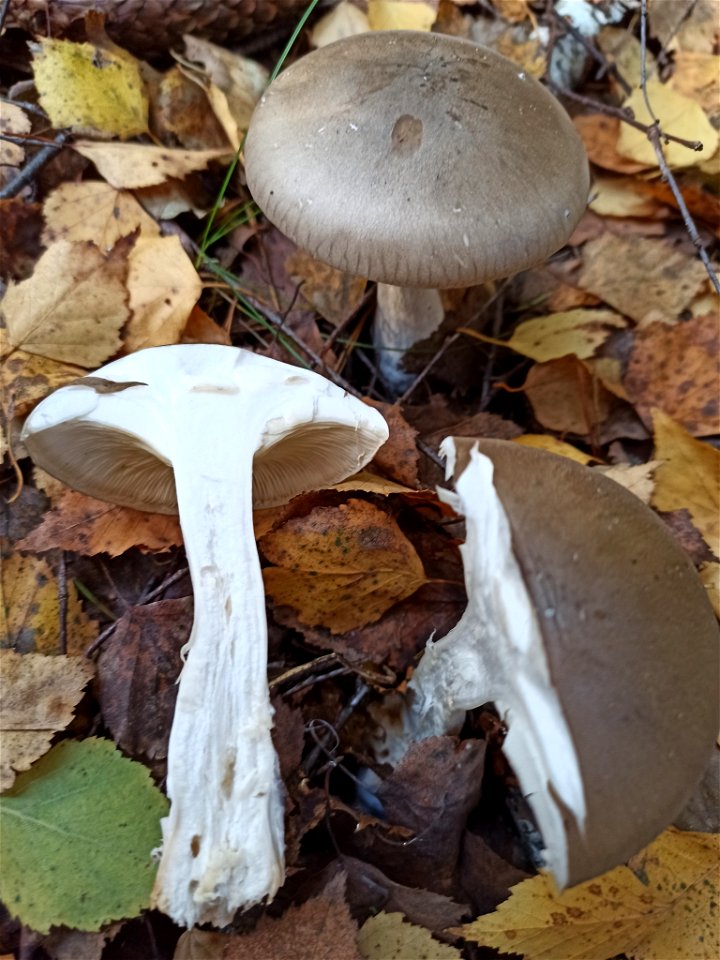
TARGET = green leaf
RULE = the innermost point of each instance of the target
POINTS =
(76, 835)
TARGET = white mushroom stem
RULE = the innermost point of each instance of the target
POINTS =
(404, 316)
(496, 653)
(223, 838)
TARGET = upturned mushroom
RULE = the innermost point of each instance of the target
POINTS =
(590, 630)
(417, 160)
(206, 431)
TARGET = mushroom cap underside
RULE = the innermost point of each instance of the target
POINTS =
(416, 159)
(113, 435)
(631, 643)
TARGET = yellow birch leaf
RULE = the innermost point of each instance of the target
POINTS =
(30, 609)
(341, 567)
(26, 378)
(37, 697)
(679, 115)
(90, 89)
(697, 75)
(72, 307)
(344, 20)
(665, 907)
(401, 14)
(389, 936)
(160, 299)
(13, 122)
(579, 332)
(688, 477)
(94, 210)
(638, 478)
(543, 441)
(129, 166)
(623, 197)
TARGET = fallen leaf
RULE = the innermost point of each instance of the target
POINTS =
(64, 944)
(78, 831)
(319, 929)
(20, 243)
(566, 397)
(138, 669)
(688, 477)
(543, 441)
(95, 211)
(679, 115)
(163, 287)
(179, 112)
(73, 306)
(26, 378)
(514, 11)
(30, 609)
(128, 166)
(37, 697)
(401, 14)
(201, 945)
(201, 328)
(663, 907)
(89, 526)
(600, 135)
(89, 89)
(343, 20)
(341, 567)
(638, 478)
(334, 294)
(14, 122)
(646, 280)
(388, 936)
(623, 197)
(676, 369)
(398, 457)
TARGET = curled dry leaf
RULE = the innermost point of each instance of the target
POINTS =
(688, 477)
(665, 906)
(341, 567)
(95, 211)
(37, 697)
(90, 526)
(128, 166)
(675, 368)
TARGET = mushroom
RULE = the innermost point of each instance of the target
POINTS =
(590, 630)
(206, 431)
(418, 160)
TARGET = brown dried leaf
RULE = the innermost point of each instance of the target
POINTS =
(138, 670)
(600, 135)
(128, 166)
(20, 243)
(179, 112)
(565, 396)
(94, 211)
(319, 929)
(388, 936)
(676, 369)
(341, 567)
(334, 294)
(73, 306)
(25, 379)
(89, 526)
(201, 328)
(398, 457)
(37, 697)
(646, 280)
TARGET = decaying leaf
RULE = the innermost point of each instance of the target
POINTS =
(388, 936)
(638, 478)
(343, 20)
(688, 477)
(89, 526)
(334, 294)
(37, 697)
(78, 831)
(90, 89)
(341, 567)
(645, 280)
(26, 378)
(566, 397)
(94, 211)
(73, 306)
(14, 122)
(665, 906)
(30, 609)
(677, 369)
(401, 15)
(128, 166)
(543, 441)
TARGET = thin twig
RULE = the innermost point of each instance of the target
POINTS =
(24, 176)
(62, 601)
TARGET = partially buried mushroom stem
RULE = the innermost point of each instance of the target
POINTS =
(206, 431)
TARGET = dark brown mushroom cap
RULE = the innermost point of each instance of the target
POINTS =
(416, 159)
(631, 642)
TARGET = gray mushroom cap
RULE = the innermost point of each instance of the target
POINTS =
(416, 159)
(631, 642)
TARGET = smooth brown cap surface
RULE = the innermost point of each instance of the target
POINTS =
(416, 159)
(631, 642)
